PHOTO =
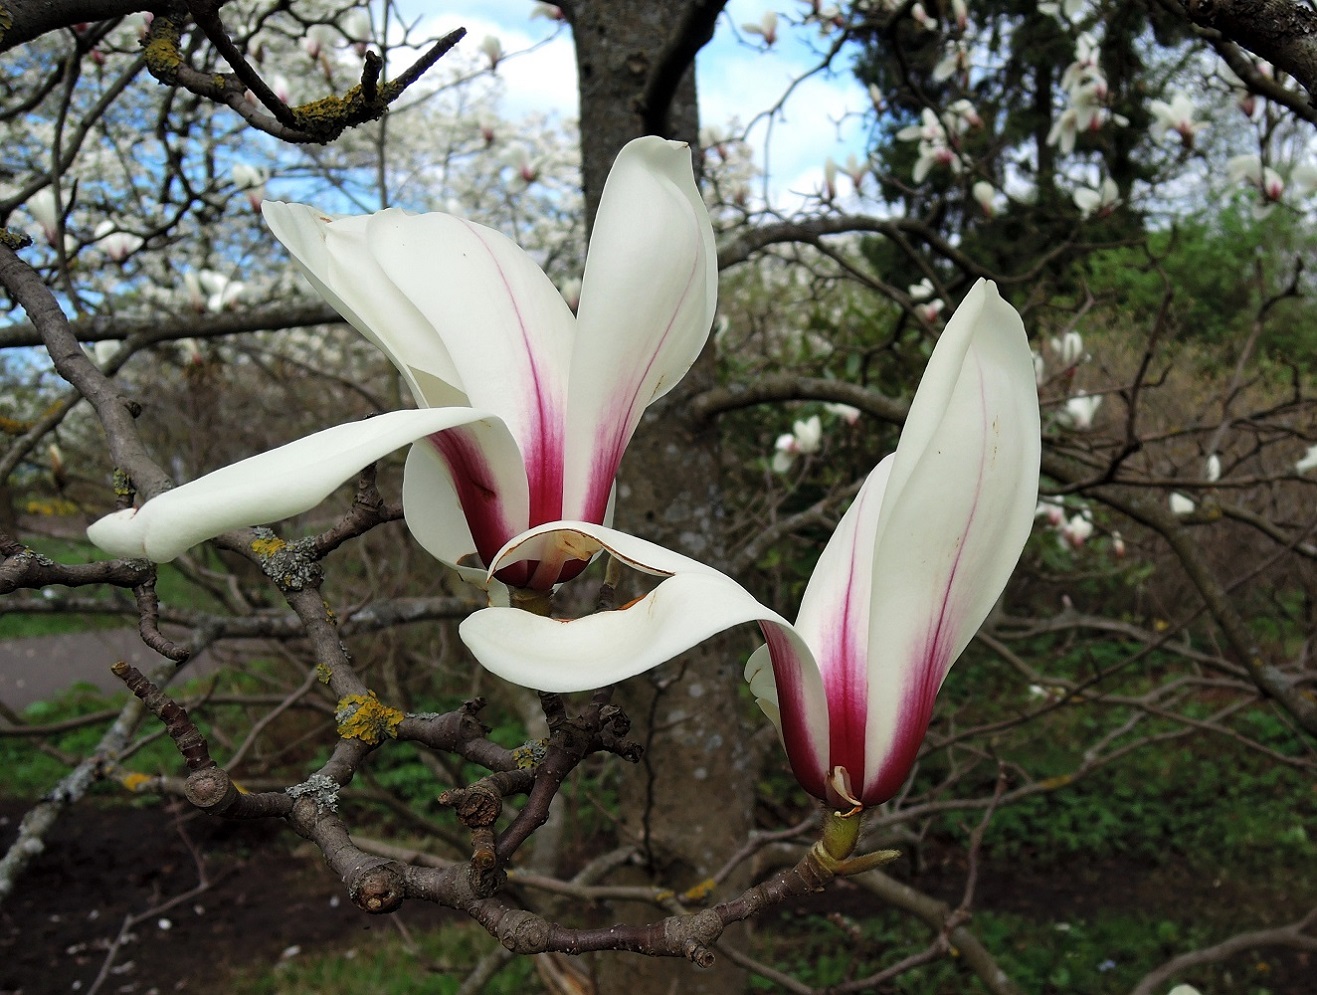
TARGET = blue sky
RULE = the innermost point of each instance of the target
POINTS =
(738, 81)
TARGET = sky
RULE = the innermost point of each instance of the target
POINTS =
(739, 81)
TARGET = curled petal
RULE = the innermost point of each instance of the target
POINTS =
(691, 604)
(268, 487)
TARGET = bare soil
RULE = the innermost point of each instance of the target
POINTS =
(260, 902)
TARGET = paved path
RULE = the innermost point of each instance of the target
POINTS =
(38, 667)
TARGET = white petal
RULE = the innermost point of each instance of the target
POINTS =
(265, 488)
(956, 513)
(334, 257)
(693, 603)
(506, 327)
(647, 304)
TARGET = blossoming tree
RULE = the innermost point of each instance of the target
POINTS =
(928, 375)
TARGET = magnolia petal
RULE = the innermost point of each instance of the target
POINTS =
(507, 328)
(334, 257)
(834, 622)
(693, 603)
(265, 488)
(784, 677)
(952, 525)
(646, 308)
(464, 494)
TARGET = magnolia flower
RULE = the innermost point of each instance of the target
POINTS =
(493, 50)
(1052, 510)
(913, 569)
(41, 205)
(1117, 545)
(1100, 202)
(526, 410)
(1069, 348)
(805, 438)
(548, 11)
(921, 291)
(1213, 469)
(846, 412)
(1251, 170)
(1039, 369)
(117, 245)
(875, 96)
(1076, 531)
(1080, 411)
(1176, 117)
(1307, 462)
(250, 180)
(1180, 504)
(829, 192)
(986, 196)
(766, 28)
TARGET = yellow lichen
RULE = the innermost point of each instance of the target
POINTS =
(267, 546)
(699, 892)
(365, 717)
(323, 673)
(134, 781)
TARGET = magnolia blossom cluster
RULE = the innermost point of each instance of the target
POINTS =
(939, 137)
(524, 411)
(1084, 85)
(1072, 528)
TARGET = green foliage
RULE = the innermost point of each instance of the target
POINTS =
(1215, 284)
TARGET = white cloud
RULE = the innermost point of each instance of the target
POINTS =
(738, 80)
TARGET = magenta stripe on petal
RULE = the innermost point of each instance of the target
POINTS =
(617, 424)
(477, 491)
(542, 451)
(809, 768)
(843, 660)
(931, 660)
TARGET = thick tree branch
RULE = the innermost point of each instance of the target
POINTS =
(1282, 32)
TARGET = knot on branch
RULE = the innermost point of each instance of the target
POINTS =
(377, 888)
(478, 805)
(211, 790)
(694, 935)
(522, 932)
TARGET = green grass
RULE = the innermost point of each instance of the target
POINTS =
(435, 964)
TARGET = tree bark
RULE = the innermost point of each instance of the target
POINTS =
(690, 802)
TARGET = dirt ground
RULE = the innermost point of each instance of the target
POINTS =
(262, 900)
(105, 863)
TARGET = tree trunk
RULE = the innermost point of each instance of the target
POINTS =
(690, 802)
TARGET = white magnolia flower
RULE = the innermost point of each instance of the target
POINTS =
(1180, 504)
(1308, 461)
(1174, 118)
(1213, 468)
(492, 49)
(850, 415)
(1080, 411)
(765, 28)
(986, 196)
(1100, 202)
(526, 409)
(1069, 348)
